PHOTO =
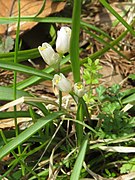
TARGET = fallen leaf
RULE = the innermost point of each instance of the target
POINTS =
(9, 8)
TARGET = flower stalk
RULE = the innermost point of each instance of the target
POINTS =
(74, 45)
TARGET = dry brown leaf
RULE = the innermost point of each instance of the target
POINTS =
(28, 8)
(9, 123)
(110, 75)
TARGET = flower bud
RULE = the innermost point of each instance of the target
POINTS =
(79, 89)
(48, 54)
(63, 40)
(62, 83)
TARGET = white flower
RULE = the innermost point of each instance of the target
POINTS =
(79, 89)
(62, 83)
(48, 54)
(63, 40)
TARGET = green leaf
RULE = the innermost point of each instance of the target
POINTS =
(100, 90)
(11, 114)
(132, 76)
(109, 108)
(129, 99)
(6, 93)
(28, 133)
(24, 69)
(22, 55)
(128, 167)
(79, 161)
(115, 89)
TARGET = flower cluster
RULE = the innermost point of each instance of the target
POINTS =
(53, 58)
(62, 46)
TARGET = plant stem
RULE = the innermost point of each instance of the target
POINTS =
(15, 82)
(74, 45)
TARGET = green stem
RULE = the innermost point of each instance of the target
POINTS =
(74, 45)
(60, 93)
(60, 100)
(15, 61)
(79, 127)
(15, 82)
(86, 112)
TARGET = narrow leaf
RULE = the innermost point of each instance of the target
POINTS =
(74, 45)
(112, 11)
(78, 164)
(28, 133)
(24, 69)
(129, 99)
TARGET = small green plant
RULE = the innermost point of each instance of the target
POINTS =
(109, 174)
(129, 166)
(91, 77)
(115, 122)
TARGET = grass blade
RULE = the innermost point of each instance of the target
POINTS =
(41, 9)
(24, 69)
(112, 11)
(129, 99)
(79, 161)
(28, 133)
(23, 55)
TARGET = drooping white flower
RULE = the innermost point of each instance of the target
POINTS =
(79, 89)
(48, 54)
(63, 40)
(62, 83)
